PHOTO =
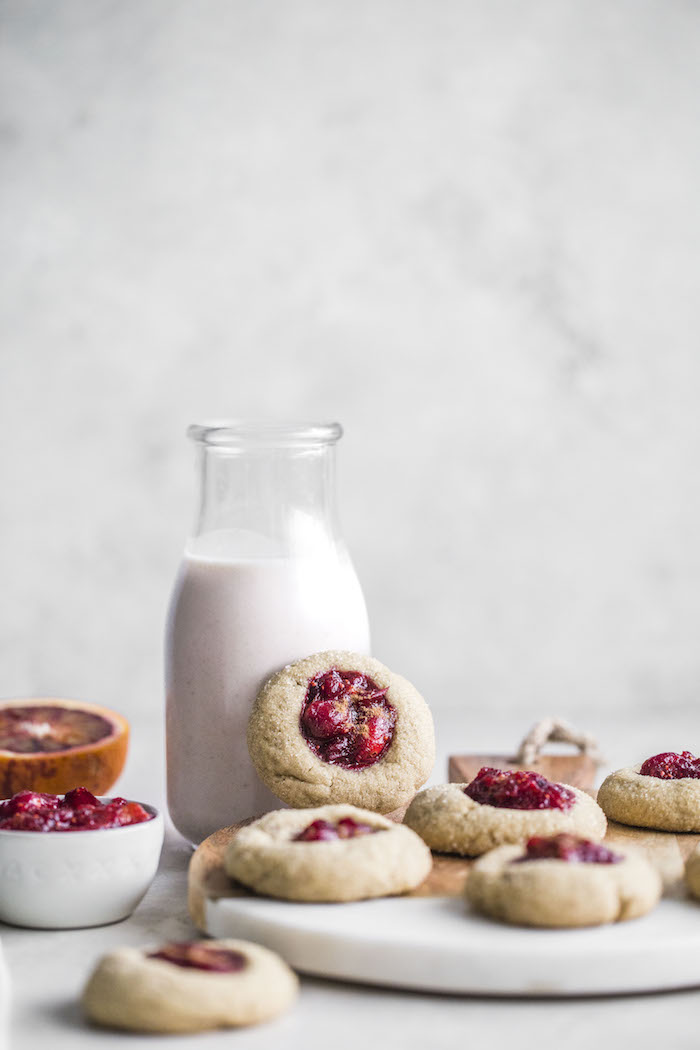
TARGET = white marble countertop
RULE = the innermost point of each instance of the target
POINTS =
(48, 968)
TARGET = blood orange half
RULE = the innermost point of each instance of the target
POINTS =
(55, 745)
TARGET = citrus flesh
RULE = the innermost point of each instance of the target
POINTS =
(28, 730)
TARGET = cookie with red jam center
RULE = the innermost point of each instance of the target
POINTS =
(340, 727)
(332, 853)
(663, 792)
(188, 987)
(562, 881)
(501, 806)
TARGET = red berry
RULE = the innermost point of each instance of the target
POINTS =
(26, 801)
(80, 797)
(375, 736)
(331, 685)
(327, 718)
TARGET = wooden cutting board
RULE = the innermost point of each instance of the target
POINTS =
(207, 880)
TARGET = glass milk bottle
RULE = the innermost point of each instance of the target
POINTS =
(265, 579)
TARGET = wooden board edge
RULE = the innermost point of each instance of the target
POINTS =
(206, 858)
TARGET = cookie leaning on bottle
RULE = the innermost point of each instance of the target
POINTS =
(340, 727)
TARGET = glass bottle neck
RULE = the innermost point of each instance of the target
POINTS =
(261, 500)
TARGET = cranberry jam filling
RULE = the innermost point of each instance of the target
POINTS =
(671, 766)
(194, 956)
(324, 831)
(518, 789)
(78, 810)
(570, 848)
(346, 719)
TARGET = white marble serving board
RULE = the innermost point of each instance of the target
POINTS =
(436, 944)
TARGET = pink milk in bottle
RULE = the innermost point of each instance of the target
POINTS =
(265, 580)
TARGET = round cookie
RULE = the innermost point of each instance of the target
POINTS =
(341, 727)
(643, 801)
(186, 988)
(559, 893)
(381, 859)
(449, 821)
(692, 872)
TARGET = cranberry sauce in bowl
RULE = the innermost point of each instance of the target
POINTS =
(77, 810)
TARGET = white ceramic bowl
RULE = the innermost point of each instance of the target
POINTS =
(64, 879)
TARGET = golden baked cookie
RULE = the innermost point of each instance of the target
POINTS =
(662, 793)
(332, 853)
(189, 987)
(341, 727)
(562, 881)
(692, 872)
(452, 818)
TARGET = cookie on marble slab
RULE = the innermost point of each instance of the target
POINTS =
(498, 807)
(662, 793)
(189, 987)
(341, 727)
(329, 853)
(562, 881)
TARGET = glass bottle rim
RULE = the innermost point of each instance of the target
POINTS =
(238, 434)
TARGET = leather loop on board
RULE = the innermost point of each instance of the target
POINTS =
(556, 730)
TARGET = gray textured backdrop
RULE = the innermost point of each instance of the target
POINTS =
(469, 231)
